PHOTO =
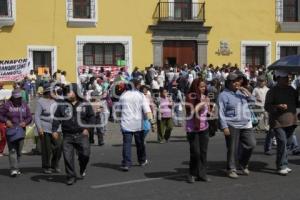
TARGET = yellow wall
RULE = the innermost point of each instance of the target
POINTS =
(235, 21)
(43, 22)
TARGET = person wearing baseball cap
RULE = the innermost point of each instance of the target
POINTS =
(236, 123)
(51, 147)
(16, 114)
(281, 104)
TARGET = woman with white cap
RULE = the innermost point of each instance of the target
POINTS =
(281, 103)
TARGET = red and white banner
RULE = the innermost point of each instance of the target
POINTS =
(112, 70)
(14, 70)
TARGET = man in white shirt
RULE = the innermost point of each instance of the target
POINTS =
(133, 108)
(32, 78)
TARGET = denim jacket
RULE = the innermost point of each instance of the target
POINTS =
(234, 109)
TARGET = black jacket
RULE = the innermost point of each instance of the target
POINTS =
(73, 118)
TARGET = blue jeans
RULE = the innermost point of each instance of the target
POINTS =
(282, 136)
(139, 138)
(292, 144)
(178, 116)
(268, 140)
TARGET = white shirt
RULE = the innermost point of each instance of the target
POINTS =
(161, 79)
(5, 94)
(63, 79)
(155, 85)
(190, 78)
(32, 78)
(260, 95)
(133, 106)
(170, 76)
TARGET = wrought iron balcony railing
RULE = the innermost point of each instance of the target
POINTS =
(180, 11)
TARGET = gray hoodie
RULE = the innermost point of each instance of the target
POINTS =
(42, 117)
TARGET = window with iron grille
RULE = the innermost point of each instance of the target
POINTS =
(42, 59)
(256, 55)
(103, 54)
(288, 51)
(290, 10)
(82, 9)
(3, 8)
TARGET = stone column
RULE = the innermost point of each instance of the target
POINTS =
(157, 52)
(202, 52)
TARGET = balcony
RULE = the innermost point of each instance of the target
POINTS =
(180, 12)
(7, 13)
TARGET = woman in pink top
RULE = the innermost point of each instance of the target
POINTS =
(166, 122)
(197, 104)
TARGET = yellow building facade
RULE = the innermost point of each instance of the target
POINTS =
(67, 34)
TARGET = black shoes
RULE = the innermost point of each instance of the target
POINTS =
(193, 179)
(203, 179)
(71, 181)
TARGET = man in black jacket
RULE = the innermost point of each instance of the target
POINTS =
(76, 116)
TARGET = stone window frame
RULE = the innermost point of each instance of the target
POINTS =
(267, 44)
(280, 44)
(286, 26)
(10, 19)
(77, 22)
(125, 40)
(52, 49)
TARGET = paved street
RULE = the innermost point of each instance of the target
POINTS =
(163, 178)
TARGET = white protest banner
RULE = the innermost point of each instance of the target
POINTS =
(13, 70)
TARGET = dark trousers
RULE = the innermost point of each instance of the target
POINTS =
(268, 141)
(282, 136)
(240, 144)
(80, 143)
(198, 152)
(51, 151)
(166, 127)
(15, 153)
(139, 138)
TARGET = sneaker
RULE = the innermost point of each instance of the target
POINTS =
(144, 163)
(191, 179)
(100, 143)
(83, 174)
(245, 171)
(124, 168)
(268, 153)
(203, 179)
(56, 170)
(19, 172)
(289, 170)
(47, 171)
(1, 154)
(274, 142)
(161, 142)
(232, 174)
(71, 181)
(14, 173)
(296, 152)
(283, 172)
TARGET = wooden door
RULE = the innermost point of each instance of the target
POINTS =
(180, 52)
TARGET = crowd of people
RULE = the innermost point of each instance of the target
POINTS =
(204, 99)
